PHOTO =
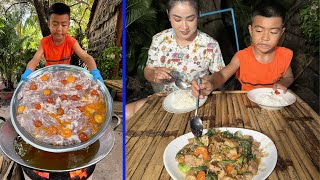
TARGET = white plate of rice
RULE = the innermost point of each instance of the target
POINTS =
(266, 98)
(181, 101)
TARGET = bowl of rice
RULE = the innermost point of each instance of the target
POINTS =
(181, 101)
(266, 98)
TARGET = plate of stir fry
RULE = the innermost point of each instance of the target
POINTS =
(232, 153)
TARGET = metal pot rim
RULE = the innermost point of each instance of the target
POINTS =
(8, 135)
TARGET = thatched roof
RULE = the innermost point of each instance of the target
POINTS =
(101, 29)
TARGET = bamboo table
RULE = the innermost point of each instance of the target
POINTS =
(115, 84)
(295, 131)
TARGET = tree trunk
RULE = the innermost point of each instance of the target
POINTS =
(118, 39)
(41, 8)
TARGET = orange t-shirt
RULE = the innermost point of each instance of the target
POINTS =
(253, 74)
(57, 54)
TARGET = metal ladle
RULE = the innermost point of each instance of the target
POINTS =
(196, 123)
(179, 83)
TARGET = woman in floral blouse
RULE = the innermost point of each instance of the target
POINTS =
(182, 51)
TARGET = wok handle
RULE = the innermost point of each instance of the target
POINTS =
(118, 120)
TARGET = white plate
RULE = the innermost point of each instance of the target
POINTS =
(265, 168)
(254, 94)
(167, 103)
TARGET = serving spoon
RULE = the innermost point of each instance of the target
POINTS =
(196, 123)
(179, 83)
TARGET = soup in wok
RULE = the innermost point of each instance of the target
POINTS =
(61, 108)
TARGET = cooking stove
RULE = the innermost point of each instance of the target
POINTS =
(81, 174)
(8, 135)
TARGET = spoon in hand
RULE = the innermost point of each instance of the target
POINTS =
(179, 83)
(196, 123)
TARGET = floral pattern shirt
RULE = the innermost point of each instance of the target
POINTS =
(189, 62)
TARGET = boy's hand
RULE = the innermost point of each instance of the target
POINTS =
(96, 74)
(206, 87)
(279, 86)
(24, 76)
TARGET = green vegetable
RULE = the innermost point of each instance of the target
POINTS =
(246, 172)
(198, 142)
(227, 134)
(254, 157)
(246, 148)
(211, 132)
(225, 149)
(200, 168)
(238, 134)
(179, 156)
(240, 159)
(183, 167)
(193, 147)
(226, 162)
(211, 176)
(182, 152)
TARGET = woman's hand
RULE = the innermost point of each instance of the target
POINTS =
(160, 74)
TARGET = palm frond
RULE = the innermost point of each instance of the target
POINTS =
(138, 4)
(140, 16)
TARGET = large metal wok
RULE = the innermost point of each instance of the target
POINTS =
(26, 136)
(8, 135)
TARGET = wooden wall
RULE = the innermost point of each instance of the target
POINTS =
(103, 25)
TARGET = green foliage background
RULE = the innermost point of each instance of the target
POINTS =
(309, 16)
(107, 61)
(20, 34)
(144, 19)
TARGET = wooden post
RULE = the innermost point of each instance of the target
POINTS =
(118, 39)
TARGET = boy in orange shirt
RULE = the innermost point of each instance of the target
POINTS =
(263, 64)
(58, 47)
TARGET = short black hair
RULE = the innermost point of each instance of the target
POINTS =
(59, 8)
(269, 9)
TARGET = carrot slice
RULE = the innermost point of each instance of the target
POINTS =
(44, 77)
(201, 175)
(203, 152)
(52, 130)
(46, 91)
(229, 168)
(235, 157)
(66, 132)
(60, 111)
(37, 123)
(33, 86)
(71, 79)
(83, 136)
(37, 106)
(21, 109)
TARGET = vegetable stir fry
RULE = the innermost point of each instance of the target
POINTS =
(220, 155)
